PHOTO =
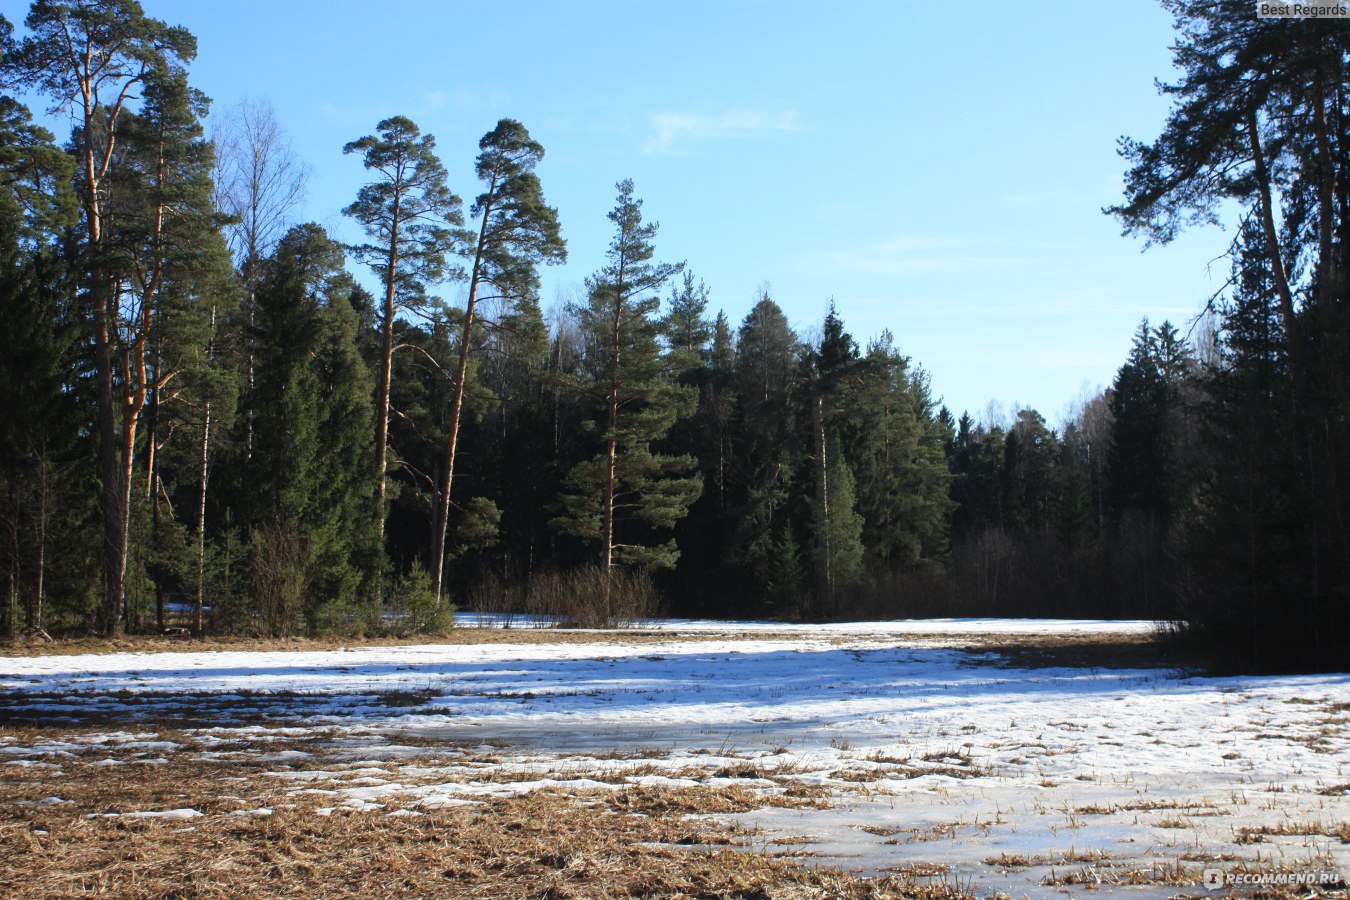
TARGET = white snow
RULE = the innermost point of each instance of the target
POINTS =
(917, 727)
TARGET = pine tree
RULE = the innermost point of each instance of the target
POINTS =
(95, 56)
(1259, 120)
(408, 212)
(628, 493)
(517, 231)
(166, 223)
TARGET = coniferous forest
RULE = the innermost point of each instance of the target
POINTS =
(209, 423)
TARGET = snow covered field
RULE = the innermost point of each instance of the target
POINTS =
(915, 743)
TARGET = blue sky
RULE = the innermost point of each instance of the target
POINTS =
(936, 169)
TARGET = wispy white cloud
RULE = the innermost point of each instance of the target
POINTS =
(909, 254)
(421, 105)
(462, 98)
(673, 132)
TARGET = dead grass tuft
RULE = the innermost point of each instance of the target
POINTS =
(254, 837)
(663, 801)
(1069, 857)
(1119, 875)
(1256, 834)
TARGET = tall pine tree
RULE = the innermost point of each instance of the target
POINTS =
(516, 232)
(625, 496)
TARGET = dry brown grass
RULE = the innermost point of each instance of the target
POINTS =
(168, 644)
(1124, 874)
(1096, 651)
(538, 845)
(663, 801)
(1258, 833)
(1069, 857)
(636, 841)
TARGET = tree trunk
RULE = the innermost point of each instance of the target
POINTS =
(44, 512)
(151, 493)
(203, 473)
(611, 467)
(386, 370)
(442, 518)
(441, 524)
(12, 600)
(825, 568)
(124, 478)
(1272, 236)
(199, 600)
(114, 505)
(249, 376)
(1326, 203)
(382, 405)
(12, 571)
(612, 419)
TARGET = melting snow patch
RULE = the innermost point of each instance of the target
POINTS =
(166, 814)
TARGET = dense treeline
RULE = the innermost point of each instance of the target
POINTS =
(210, 423)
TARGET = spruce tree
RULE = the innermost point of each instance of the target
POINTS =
(43, 498)
(1255, 605)
(838, 531)
(834, 362)
(1136, 470)
(768, 452)
(894, 444)
(309, 476)
(685, 326)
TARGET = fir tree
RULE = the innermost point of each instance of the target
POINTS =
(767, 448)
(309, 475)
(44, 491)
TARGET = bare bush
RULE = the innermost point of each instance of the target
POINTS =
(277, 564)
(587, 597)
